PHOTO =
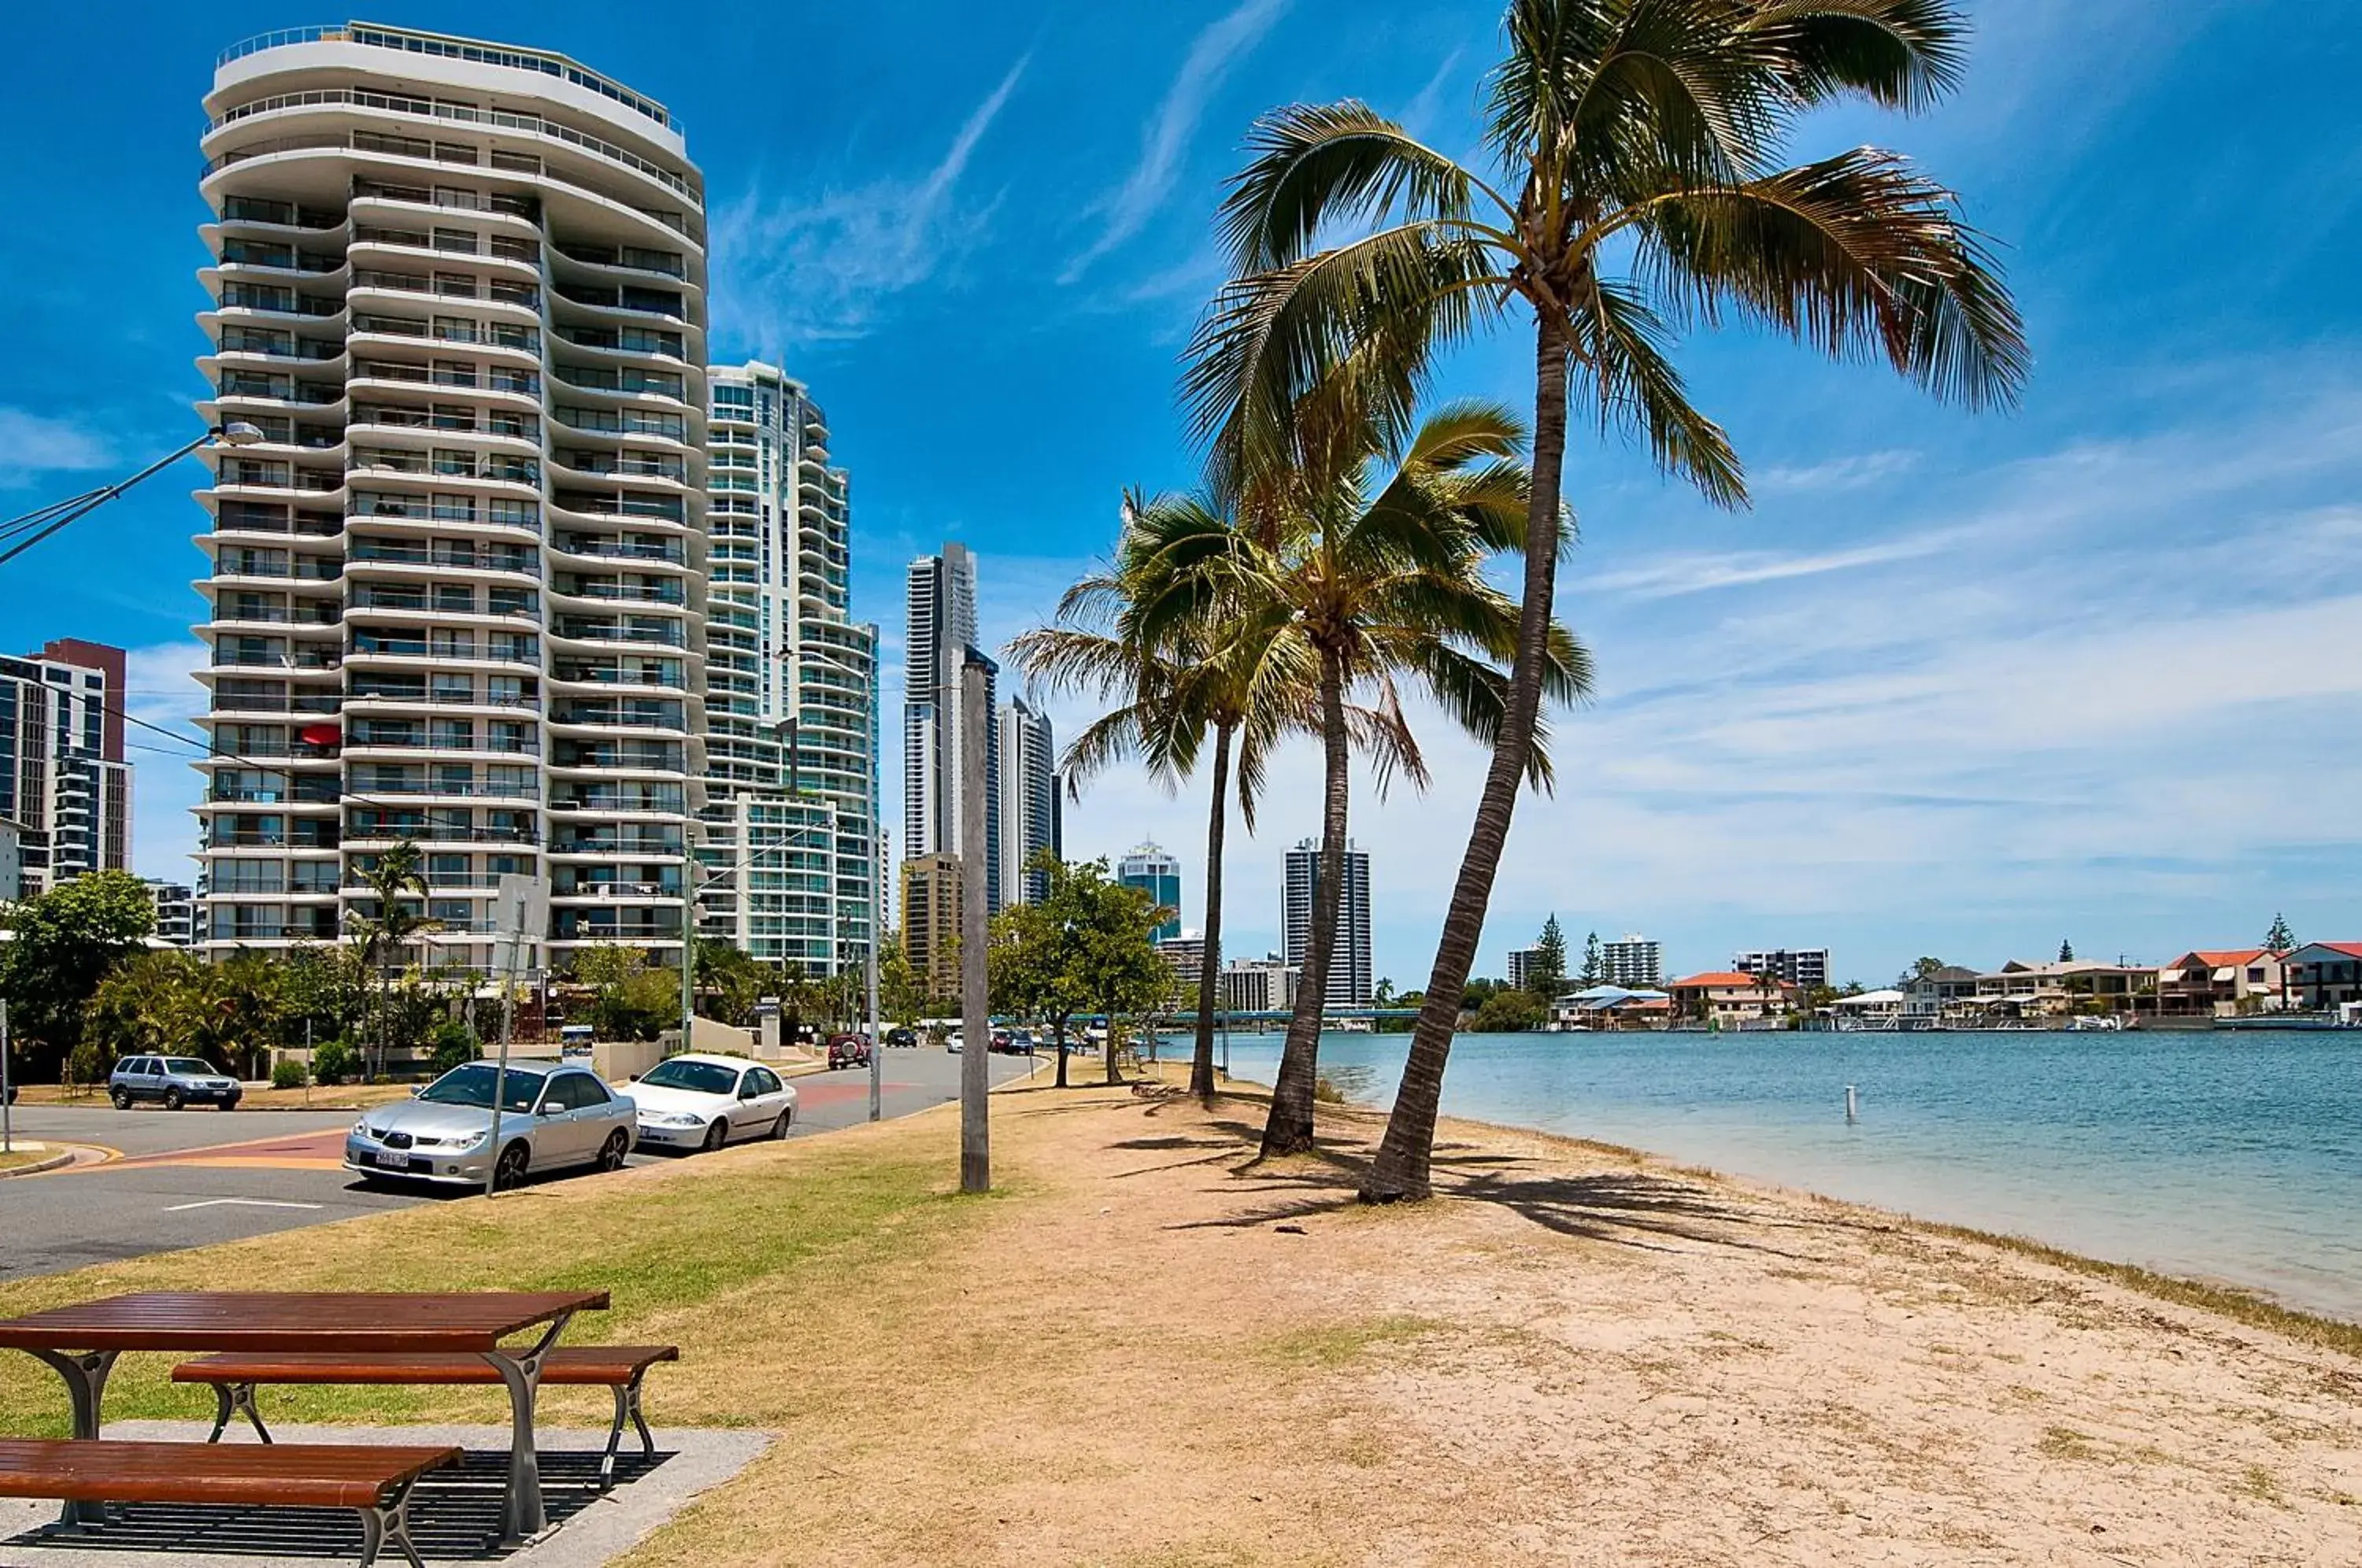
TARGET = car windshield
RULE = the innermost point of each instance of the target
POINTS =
(472, 1085)
(190, 1064)
(705, 1078)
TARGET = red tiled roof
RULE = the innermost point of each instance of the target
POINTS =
(1721, 979)
(2221, 958)
(2352, 949)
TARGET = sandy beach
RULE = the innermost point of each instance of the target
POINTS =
(1145, 1348)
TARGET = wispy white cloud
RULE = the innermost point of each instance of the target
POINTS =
(804, 268)
(1838, 473)
(32, 445)
(1668, 576)
(1167, 135)
(1421, 116)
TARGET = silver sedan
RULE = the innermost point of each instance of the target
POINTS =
(552, 1117)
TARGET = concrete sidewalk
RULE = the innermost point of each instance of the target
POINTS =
(454, 1515)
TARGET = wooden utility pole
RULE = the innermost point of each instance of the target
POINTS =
(976, 1011)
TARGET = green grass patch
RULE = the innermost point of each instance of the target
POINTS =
(1329, 1345)
(734, 1262)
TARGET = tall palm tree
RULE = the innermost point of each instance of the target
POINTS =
(397, 873)
(1642, 149)
(1375, 537)
(1228, 669)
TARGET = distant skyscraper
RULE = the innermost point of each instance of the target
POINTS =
(941, 639)
(788, 867)
(1806, 966)
(1030, 820)
(1348, 968)
(931, 921)
(1158, 875)
(1522, 964)
(63, 783)
(1635, 962)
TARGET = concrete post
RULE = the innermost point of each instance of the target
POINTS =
(976, 1011)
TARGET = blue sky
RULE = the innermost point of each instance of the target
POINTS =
(1955, 685)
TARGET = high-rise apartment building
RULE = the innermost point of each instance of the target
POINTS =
(941, 641)
(1031, 818)
(176, 912)
(788, 868)
(1804, 967)
(1350, 979)
(457, 588)
(64, 784)
(1260, 984)
(12, 862)
(1522, 961)
(931, 886)
(1157, 874)
(1633, 962)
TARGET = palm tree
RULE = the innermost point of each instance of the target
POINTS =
(1373, 538)
(1228, 669)
(400, 870)
(1642, 144)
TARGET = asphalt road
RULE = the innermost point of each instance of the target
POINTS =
(186, 1178)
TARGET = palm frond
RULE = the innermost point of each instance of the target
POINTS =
(1311, 165)
(1900, 54)
(1619, 350)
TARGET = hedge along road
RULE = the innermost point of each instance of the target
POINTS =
(187, 1179)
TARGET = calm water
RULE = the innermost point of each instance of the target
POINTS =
(2234, 1156)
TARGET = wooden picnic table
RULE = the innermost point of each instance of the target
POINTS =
(80, 1342)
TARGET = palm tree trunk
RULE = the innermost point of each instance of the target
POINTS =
(1201, 1064)
(1061, 1053)
(1289, 1129)
(1401, 1169)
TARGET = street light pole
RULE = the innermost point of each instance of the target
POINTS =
(40, 525)
(877, 1024)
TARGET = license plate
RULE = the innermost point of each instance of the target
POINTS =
(384, 1161)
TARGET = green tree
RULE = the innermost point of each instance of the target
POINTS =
(1086, 944)
(2280, 939)
(1375, 536)
(1179, 661)
(62, 945)
(1383, 994)
(326, 986)
(1921, 969)
(630, 999)
(1508, 1011)
(729, 982)
(2066, 951)
(901, 994)
(1594, 967)
(148, 1002)
(1546, 970)
(396, 881)
(1641, 146)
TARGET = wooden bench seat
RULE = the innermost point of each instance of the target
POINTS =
(235, 1377)
(374, 1482)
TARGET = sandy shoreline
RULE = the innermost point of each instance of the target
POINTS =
(1147, 1349)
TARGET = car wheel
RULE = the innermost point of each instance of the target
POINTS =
(717, 1132)
(122, 1098)
(171, 1100)
(779, 1128)
(508, 1174)
(611, 1153)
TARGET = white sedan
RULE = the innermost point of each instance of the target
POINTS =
(704, 1102)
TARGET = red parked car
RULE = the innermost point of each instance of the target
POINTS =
(847, 1051)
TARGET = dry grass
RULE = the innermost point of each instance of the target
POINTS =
(1147, 1349)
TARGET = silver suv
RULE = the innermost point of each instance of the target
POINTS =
(174, 1081)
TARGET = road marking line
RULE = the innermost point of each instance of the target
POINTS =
(240, 1202)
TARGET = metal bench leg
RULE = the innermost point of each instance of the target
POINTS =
(523, 1517)
(85, 1380)
(647, 1438)
(388, 1524)
(229, 1399)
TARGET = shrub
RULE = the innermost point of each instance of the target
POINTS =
(287, 1073)
(335, 1062)
(453, 1043)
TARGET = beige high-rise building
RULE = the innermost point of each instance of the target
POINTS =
(457, 588)
(931, 886)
